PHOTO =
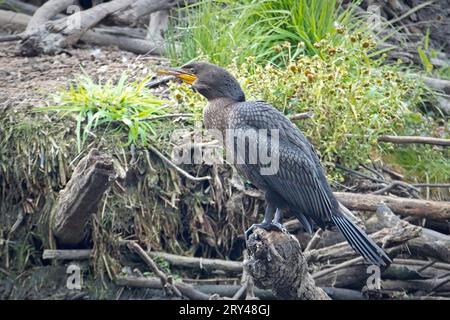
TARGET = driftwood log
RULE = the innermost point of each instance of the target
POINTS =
(438, 210)
(275, 261)
(140, 8)
(79, 199)
(16, 5)
(44, 35)
(155, 283)
(414, 139)
(395, 235)
(50, 37)
(198, 263)
(81, 254)
(13, 20)
(429, 243)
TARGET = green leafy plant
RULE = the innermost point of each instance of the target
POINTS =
(208, 29)
(227, 31)
(422, 163)
(428, 66)
(124, 106)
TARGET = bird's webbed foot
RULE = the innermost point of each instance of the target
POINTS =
(271, 222)
(269, 226)
(276, 222)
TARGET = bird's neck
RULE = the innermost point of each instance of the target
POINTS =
(217, 112)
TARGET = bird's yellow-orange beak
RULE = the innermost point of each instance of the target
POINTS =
(181, 74)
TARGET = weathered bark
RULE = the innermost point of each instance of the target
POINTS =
(14, 20)
(50, 37)
(82, 254)
(198, 263)
(141, 8)
(427, 285)
(230, 291)
(20, 6)
(439, 210)
(155, 283)
(98, 36)
(437, 84)
(353, 276)
(157, 26)
(431, 244)
(414, 139)
(79, 199)
(428, 244)
(46, 12)
(344, 294)
(301, 116)
(275, 261)
(443, 105)
(138, 46)
(398, 234)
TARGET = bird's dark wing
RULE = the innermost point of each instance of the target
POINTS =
(298, 182)
(300, 179)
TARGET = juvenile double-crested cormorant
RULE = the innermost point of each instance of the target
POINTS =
(299, 185)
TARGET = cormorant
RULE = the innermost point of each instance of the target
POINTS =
(299, 185)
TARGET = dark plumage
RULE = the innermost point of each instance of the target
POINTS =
(300, 185)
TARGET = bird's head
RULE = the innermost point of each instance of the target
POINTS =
(209, 80)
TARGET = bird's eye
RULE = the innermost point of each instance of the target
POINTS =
(191, 70)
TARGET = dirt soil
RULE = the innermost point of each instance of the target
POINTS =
(26, 82)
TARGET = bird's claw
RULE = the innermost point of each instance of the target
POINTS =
(269, 226)
(278, 226)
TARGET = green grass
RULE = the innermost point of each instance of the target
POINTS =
(227, 31)
(123, 106)
(208, 30)
(298, 25)
(422, 163)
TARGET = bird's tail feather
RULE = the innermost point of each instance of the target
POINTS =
(360, 241)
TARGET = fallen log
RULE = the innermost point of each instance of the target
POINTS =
(17, 21)
(344, 294)
(443, 105)
(301, 116)
(155, 283)
(174, 260)
(422, 263)
(142, 8)
(439, 210)
(79, 199)
(275, 261)
(428, 244)
(50, 37)
(19, 6)
(354, 276)
(428, 285)
(135, 45)
(414, 139)
(198, 263)
(437, 84)
(224, 290)
(82, 254)
(97, 36)
(166, 281)
(202, 291)
(46, 12)
(396, 235)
